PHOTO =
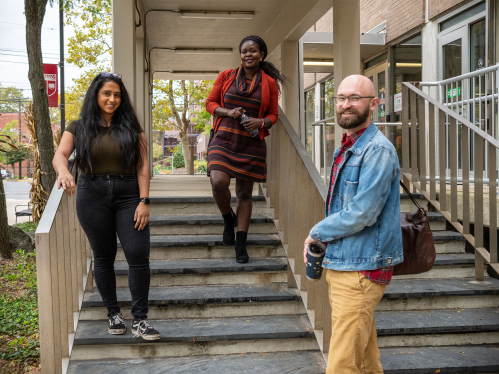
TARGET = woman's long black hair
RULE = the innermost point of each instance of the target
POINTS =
(125, 127)
(266, 66)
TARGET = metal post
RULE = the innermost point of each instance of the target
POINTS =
(61, 66)
(20, 119)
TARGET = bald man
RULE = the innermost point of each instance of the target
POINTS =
(361, 229)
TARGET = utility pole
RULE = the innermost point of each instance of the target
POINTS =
(61, 66)
(20, 119)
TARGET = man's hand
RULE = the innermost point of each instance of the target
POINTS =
(308, 241)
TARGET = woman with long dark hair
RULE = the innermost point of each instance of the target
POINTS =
(251, 91)
(113, 194)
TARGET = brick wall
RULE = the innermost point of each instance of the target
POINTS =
(403, 16)
(438, 7)
(325, 24)
(372, 13)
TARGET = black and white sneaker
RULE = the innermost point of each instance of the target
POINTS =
(143, 329)
(116, 325)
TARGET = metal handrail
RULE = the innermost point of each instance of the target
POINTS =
(461, 77)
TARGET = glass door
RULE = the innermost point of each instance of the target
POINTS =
(377, 75)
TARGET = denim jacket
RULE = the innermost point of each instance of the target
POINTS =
(362, 224)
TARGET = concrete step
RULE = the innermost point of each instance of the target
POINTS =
(203, 330)
(443, 360)
(437, 327)
(301, 362)
(440, 293)
(209, 271)
(197, 295)
(197, 205)
(406, 204)
(448, 265)
(209, 246)
(449, 242)
(207, 224)
(185, 337)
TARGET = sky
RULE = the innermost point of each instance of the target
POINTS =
(13, 55)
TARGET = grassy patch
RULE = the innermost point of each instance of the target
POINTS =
(19, 340)
(27, 226)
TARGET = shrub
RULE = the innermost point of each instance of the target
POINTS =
(201, 166)
(178, 157)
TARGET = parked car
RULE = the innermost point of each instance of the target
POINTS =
(5, 174)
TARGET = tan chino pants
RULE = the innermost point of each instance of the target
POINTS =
(353, 347)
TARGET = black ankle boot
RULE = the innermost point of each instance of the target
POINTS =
(241, 253)
(230, 222)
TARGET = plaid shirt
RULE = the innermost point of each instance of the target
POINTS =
(379, 276)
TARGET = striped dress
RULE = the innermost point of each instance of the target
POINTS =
(233, 150)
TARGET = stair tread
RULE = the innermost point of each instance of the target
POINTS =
(448, 359)
(203, 266)
(302, 362)
(446, 235)
(207, 240)
(437, 321)
(203, 330)
(229, 265)
(434, 216)
(194, 199)
(437, 287)
(445, 259)
(200, 219)
(235, 293)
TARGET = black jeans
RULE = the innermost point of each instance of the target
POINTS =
(106, 205)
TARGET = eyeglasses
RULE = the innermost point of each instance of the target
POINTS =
(106, 74)
(352, 99)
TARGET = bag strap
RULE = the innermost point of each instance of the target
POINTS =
(412, 198)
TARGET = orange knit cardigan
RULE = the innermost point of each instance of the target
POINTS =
(270, 96)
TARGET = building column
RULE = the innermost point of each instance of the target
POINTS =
(140, 95)
(301, 93)
(148, 115)
(291, 93)
(346, 47)
(123, 29)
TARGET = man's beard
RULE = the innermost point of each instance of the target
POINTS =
(354, 121)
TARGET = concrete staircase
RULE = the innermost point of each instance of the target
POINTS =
(217, 316)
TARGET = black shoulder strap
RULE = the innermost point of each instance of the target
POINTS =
(411, 197)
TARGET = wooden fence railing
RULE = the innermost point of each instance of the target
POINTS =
(438, 143)
(64, 272)
(297, 193)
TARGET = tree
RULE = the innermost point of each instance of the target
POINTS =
(91, 20)
(178, 160)
(180, 104)
(10, 93)
(157, 152)
(34, 11)
(14, 155)
(6, 144)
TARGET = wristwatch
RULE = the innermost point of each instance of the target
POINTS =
(144, 200)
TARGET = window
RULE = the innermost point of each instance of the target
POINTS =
(468, 13)
(309, 119)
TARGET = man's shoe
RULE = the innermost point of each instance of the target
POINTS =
(143, 329)
(230, 222)
(116, 325)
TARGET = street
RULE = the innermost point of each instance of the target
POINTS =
(16, 193)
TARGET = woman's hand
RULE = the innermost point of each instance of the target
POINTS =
(65, 179)
(141, 216)
(235, 113)
(252, 123)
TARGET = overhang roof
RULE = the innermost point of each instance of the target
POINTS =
(318, 46)
(274, 21)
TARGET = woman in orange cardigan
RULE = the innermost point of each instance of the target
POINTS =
(253, 89)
